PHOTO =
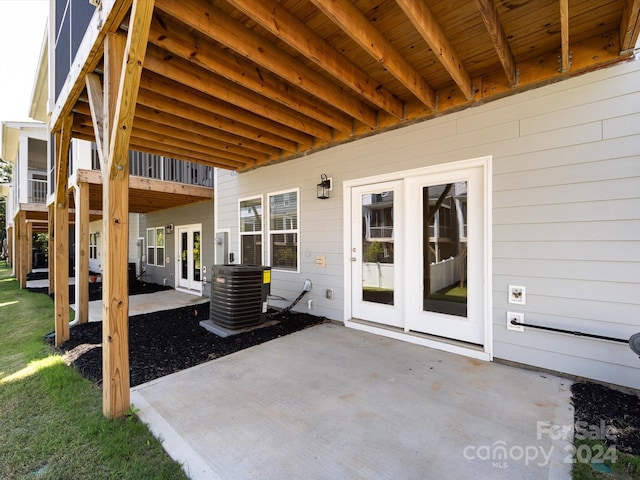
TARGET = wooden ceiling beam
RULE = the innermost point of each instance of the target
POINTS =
(217, 25)
(185, 110)
(354, 24)
(175, 142)
(419, 14)
(141, 141)
(630, 25)
(241, 100)
(280, 22)
(187, 136)
(186, 124)
(188, 129)
(565, 61)
(151, 146)
(179, 42)
(490, 17)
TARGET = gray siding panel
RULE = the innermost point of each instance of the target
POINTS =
(566, 213)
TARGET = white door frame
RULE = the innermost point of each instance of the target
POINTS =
(486, 351)
(194, 288)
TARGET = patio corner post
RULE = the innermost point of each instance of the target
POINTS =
(21, 257)
(51, 260)
(81, 192)
(61, 232)
(123, 60)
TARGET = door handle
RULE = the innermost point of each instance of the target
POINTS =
(354, 259)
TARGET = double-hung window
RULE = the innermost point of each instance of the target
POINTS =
(155, 246)
(251, 231)
(284, 230)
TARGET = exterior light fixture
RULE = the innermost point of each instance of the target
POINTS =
(323, 187)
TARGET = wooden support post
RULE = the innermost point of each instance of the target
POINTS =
(16, 243)
(123, 62)
(10, 234)
(23, 246)
(51, 257)
(61, 297)
(82, 252)
(29, 226)
(61, 232)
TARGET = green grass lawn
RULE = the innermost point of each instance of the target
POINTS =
(51, 422)
(607, 464)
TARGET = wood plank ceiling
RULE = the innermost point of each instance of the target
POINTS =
(238, 84)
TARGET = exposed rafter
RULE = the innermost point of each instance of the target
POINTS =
(177, 41)
(425, 22)
(344, 14)
(237, 97)
(499, 38)
(214, 23)
(565, 60)
(286, 26)
(630, 25)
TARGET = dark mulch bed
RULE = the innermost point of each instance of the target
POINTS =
(95, 290)
(166, 342)
(597, 405)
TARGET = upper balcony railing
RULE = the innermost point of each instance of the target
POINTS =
(158, 167)
(37, 191)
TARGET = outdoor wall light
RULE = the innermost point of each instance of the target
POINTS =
(323, 187)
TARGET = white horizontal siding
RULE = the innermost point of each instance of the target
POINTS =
(566, 213)
(613, 251)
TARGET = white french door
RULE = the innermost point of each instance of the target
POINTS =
(376, 252)
(446, 241)
(189, 258)
(419, 256)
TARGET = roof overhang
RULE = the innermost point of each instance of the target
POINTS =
(38, 108)
(11, 137)
(239, 84)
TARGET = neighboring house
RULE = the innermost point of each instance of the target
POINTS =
(24, 145)
(160, 184)
(442, 222)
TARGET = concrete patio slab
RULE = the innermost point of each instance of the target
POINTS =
(335, 403)
(149, 303)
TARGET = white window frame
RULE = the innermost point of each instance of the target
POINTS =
(271, 232)
(155, 247)
(260, 232)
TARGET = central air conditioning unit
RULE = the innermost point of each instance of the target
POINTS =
(238, 298)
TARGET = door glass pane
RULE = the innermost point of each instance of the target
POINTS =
(444, 243)
(184, 256)
(196, 257)
(377, 248)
